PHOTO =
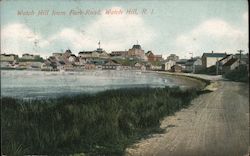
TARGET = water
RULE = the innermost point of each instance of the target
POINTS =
(38, 84)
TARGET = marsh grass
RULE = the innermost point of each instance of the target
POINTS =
(95, 124)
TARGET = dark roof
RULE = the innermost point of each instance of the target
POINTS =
(62, 62)
(8, 54)
(190, 62)
(214, 54)
(225, 57)
(111, 62)
(149, 53)
(176, 66)
(230, 62)
(85, 52)
(119, 51)
(136, 46)
(181, 61)
(68, 51)
(28, 54)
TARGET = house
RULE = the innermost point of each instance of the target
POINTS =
(46, 66)
(231, 64)
(5, 64)
(29, 57)
(156, 67)
(67, 53)
(182, 63)
(35, 65)
(176, 68)
(225, 59)
(153, 58)
(119, 54)
(104, 55)
(57, 55)
(82, 61)
(193, 65)
(8, 57)
(72, 58)
(136, 51)
(89, 54)
(98, 53)
(210, 59)
(89, 66)
(68, 67)
(139, 66)
(85, 54)
(173, 57)
(110, 65)
(167, 65)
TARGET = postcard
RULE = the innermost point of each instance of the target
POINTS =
(123, 77)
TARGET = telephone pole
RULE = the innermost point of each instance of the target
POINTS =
(240, 51)
(99, 43)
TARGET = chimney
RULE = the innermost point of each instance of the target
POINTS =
(212, 51)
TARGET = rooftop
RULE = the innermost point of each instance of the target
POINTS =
(85, 52)
(214, 54)
(136, 46)
(68, 51)
(225, 57)
(230, 62)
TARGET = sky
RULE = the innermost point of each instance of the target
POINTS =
(182, 27)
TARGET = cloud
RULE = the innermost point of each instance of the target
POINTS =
(121, 30)
(213, 34)
(116, 32)
(18, 38)
(245, 17)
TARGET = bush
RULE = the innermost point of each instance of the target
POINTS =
(209, 71)
(239, 74)
(100, 124)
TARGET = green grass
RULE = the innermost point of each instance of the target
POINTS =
(37, 59)
(94, 124)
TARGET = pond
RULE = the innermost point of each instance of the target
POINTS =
(31, 84)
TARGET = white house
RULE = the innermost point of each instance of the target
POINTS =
(167, 65)
(30, 56)
(8, 57)
(193, 65)
(210, 59)
(88, 54)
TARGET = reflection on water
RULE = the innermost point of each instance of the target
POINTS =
(27, 84)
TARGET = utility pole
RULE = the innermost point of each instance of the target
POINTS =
(240, 51)
(217, 67)
(99, 43)
(191, 55)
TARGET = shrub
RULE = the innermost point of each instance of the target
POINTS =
(239, 74)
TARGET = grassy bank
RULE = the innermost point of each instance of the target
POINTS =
(100, 124)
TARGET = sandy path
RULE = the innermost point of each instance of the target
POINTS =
(216, 123)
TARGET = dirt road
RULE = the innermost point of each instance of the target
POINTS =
(216, 124)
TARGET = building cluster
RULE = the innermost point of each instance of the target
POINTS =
(27, 61)
(134, 58)
(222, 62)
